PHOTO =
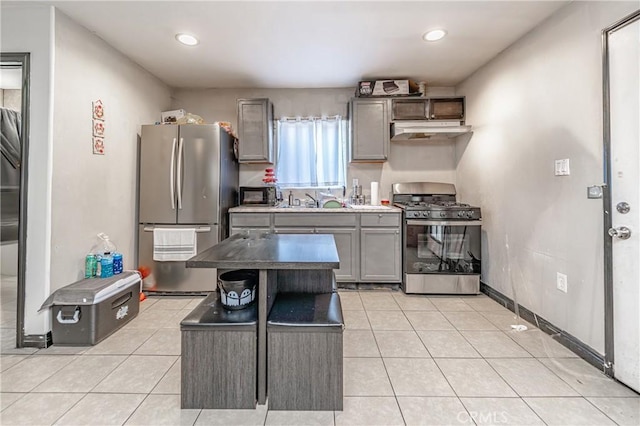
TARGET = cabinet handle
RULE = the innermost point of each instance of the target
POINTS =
(200, 229)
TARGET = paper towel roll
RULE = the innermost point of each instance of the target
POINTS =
(375, 196)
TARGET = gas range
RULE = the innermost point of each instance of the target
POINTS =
(435, 201)
(441, 239)
(449, 210)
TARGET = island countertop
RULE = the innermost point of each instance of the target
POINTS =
(263, 250)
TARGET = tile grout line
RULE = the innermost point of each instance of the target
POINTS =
(481, 357)
(438, 366)
(179, 358)
(69, 409)
(562, 397)
(22, 395)
(505, 381)
(499, 329)
(148, 394)
(136, 409)
(384, 365)
(597, 408)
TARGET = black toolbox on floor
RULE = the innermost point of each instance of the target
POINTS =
(89, 310)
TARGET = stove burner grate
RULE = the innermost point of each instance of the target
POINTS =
(433, 205)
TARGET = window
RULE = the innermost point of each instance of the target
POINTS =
(311, 152)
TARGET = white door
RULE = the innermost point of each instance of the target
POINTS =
(624, 72)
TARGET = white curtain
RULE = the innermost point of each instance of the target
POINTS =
(311, 152)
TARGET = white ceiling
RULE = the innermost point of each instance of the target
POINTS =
(307, 44)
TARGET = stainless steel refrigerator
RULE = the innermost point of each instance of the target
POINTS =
(188, 178)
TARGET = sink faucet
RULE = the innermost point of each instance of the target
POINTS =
(314, 200)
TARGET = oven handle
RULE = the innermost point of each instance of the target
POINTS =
(445, 222)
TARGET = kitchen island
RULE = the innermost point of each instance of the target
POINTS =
(286, 263)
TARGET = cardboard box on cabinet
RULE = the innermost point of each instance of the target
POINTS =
(368, 88)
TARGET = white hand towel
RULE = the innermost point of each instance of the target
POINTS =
(174, 244)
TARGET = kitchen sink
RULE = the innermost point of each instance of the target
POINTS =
(310, 207)
(300, 207)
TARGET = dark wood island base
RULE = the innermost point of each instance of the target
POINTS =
(218, 366)
(305, 352)
(291, 263)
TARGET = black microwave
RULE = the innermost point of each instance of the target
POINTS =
(257, 196)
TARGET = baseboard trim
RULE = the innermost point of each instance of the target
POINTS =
(368, 286)
(40, 341)
(575, 345)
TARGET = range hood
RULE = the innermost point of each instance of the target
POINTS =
(423, 130)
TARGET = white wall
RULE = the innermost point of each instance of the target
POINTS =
(29, 28)
(72, 194)
(538, 101)
(96, 193)
(407, 161)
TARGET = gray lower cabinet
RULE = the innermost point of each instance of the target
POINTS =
(380, 255)
(242, 221)
(342, 226)
(347, 243)
(255, 131)
(380, 247)
(368, 244)
(369, 121)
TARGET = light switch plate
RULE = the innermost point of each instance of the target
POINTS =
(562, 167)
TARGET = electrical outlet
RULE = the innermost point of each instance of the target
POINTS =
(561, 282)
(562, 167)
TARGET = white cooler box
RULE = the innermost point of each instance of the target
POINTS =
(89, 310)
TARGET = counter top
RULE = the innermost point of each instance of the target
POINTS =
(257, 249)
(355, 209)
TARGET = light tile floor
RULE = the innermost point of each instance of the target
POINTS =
(413, 360)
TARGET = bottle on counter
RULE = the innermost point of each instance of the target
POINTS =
(117, 263)
(290, 198)
(103, 255)
(106, 266)
(90, 266)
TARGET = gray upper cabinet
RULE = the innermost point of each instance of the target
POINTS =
(255, 131)
(369, 129)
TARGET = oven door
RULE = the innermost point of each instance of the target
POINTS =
(441, 256)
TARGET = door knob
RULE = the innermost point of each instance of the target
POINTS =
(621, 232)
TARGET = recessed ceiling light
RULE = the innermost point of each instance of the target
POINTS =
(187, 39)
(434, 35)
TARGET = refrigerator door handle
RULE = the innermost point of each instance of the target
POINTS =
(172, 188)
(180, 153)
(198, 229)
